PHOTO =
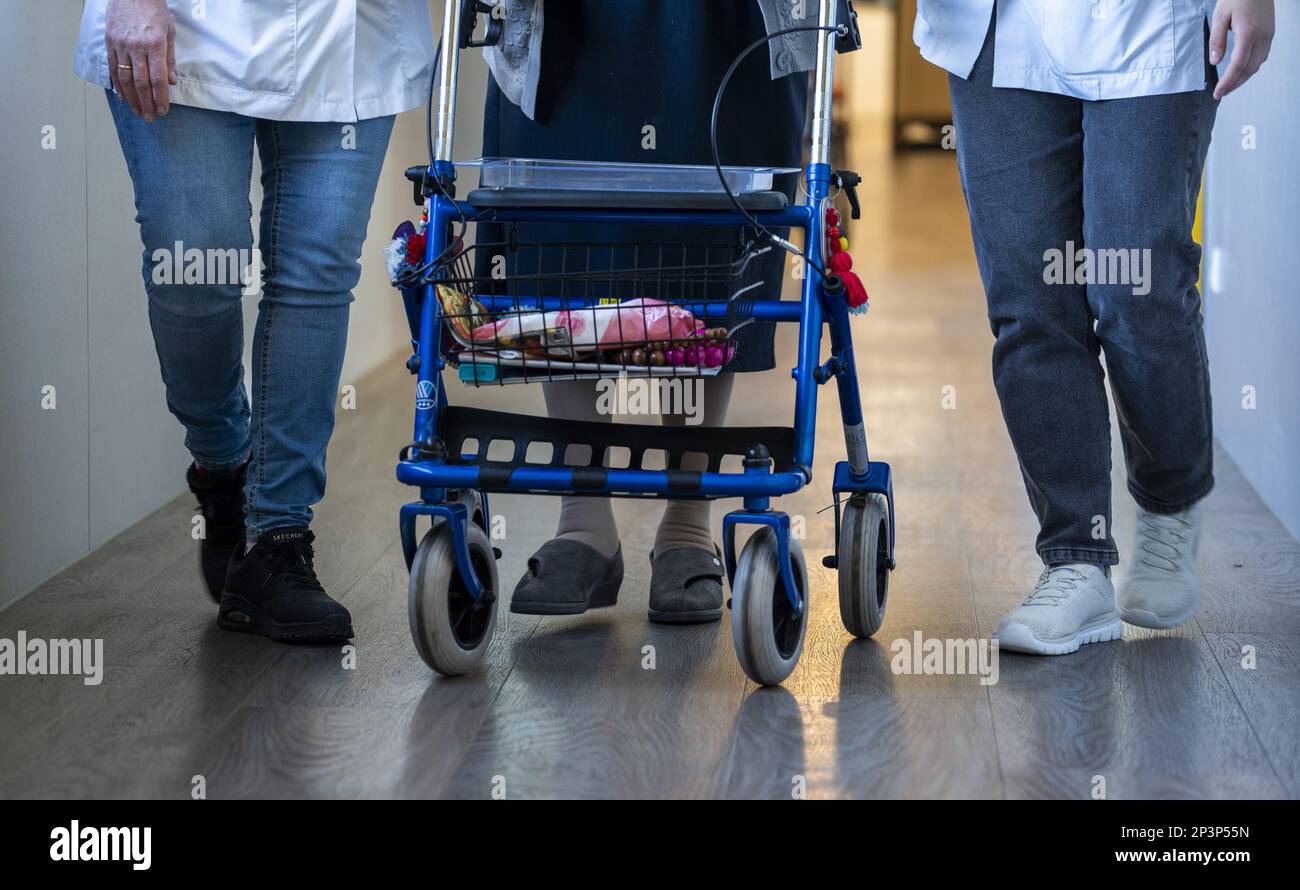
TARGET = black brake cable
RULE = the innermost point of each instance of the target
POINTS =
(762, 230)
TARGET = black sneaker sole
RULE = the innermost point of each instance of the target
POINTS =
(239, 615)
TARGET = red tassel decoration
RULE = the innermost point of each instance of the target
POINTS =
(414, 249)
(855, 292)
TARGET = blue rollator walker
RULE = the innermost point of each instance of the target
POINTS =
(503, 310)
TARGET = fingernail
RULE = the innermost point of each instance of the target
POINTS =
(1214, 57)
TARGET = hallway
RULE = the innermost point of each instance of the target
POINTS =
(566, 708)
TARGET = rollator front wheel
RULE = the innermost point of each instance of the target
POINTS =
(767, 632)
(451, 631)
(864, 564)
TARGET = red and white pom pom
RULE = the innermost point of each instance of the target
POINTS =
(855, 292)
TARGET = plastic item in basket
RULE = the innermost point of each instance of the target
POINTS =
(462, 313)
(568, 332)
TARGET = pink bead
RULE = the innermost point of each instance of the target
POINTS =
(692, 355)
(713, 356)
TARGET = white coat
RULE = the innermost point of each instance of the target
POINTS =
(289, 60)
(1089, 49)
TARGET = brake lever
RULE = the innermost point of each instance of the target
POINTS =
(848, 182)
(851, 39)
(469, 14)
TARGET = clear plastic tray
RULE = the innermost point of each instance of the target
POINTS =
(540, 173)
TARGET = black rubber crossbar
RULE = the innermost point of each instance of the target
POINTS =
(460, 424)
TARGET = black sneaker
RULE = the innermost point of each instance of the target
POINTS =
(272, 591)
(221, 502)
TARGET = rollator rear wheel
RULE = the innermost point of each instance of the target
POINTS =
(863, 559)
(451, 631)
(764, 627)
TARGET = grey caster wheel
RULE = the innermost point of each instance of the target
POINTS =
(863, 561)
(451, 632)
(767, 634)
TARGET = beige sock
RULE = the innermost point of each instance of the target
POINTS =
(688, 523)
(587, 520)
(590, 520)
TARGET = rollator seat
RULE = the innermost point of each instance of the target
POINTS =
(591, 199)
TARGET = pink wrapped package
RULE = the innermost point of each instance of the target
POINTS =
(571, 331)
(644, 321)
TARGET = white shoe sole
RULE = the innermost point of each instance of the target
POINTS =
(1148, 619)
(1017, 637)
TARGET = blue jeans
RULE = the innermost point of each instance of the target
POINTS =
(1042, 172)
(192, 171)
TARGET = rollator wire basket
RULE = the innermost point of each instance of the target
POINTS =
(516, 311)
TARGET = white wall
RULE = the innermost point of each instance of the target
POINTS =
(73, 314)
(1252, 307)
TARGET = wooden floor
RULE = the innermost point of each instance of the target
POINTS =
(564, 707)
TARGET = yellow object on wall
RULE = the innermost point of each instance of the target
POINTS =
(1198, 227)
(1198, 234)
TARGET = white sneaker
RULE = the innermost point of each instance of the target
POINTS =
(1163, 589)
(1071, 605)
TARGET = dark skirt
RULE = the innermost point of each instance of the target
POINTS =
(609, 70)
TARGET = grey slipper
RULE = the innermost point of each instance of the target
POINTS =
(686, 586)
(567, 578)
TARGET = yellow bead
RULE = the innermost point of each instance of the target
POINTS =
(844, 243)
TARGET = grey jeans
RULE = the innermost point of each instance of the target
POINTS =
(1082, 217)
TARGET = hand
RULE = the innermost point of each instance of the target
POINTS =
(139, 35)
(1253, 24)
